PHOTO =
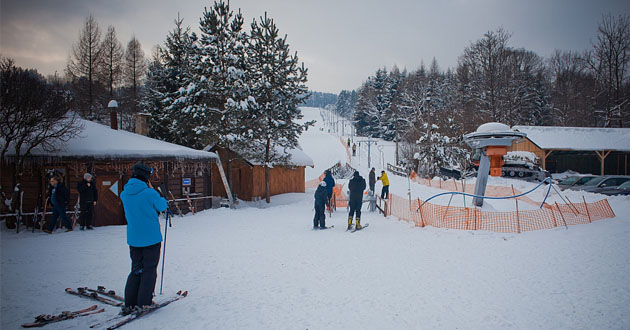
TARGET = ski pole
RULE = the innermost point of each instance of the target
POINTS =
(167, 215)
(166, 218)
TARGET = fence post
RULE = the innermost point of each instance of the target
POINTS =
(420, 210)
(555, 223)
(562, 215)
(440, 179)
(518, 221)
(574, 209)
(586, 207)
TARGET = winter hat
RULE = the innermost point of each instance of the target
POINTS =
(373, 169)
(356, 174)
(141, 171)
(323, 183)
(87, 176)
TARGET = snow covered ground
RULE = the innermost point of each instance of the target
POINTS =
(263, 267)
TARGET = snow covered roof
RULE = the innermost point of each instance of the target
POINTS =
(297, 156)
(100, 141)
(577, 138)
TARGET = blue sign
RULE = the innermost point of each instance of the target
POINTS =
(186, 181)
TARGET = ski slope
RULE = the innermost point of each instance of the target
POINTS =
(263, 267)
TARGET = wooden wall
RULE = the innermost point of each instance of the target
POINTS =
(109, 175)
(248, 182)
(527, 145)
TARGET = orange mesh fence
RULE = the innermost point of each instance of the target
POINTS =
(340, 198)
(470, 218)
(313, 183)
(345, 145)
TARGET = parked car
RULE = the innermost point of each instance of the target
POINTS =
(574, 181)
(623, 189)
(602, 183)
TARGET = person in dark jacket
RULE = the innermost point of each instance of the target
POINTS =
(330, 184)
(354, 149)
(356, 186)
(142, 204)
(320, 201)
(372, 179)
(59, 198)
(88, 195)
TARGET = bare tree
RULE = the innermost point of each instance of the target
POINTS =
(33, 114)
(485, 60)
(112, 57)
(609, 61)
(83, 66)
(134, 71)
(572, 90)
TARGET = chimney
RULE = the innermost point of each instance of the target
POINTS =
(113, 114)
(141, 122)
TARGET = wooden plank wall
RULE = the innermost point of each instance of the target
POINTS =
(527, 145)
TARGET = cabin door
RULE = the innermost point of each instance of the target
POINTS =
(109, 209)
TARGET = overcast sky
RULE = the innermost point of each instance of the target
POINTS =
(341, 42)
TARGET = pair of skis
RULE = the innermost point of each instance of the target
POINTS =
(354, 229)
(120, 320)
(44, 319)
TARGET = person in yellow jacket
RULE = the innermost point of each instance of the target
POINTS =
(385, 180)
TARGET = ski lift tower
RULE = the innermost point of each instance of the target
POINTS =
(492, 139)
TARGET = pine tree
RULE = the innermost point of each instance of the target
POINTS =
(278, 86)
(166, 97)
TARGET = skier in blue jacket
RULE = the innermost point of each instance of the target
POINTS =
(330, 184)
(142, 204)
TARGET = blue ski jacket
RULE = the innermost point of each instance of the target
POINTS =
(141, 205)
(330, 183)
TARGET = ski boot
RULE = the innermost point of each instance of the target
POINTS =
(349, 223)
(358, 224)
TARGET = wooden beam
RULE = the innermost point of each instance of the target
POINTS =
(544, 160)
(602, 158)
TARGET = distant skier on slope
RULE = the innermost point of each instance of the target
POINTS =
(142, 205)
(319, 221)
(356, 186)
(385, 180)
(354, 149)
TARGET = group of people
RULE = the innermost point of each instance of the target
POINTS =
(356, 187)
(59, 197)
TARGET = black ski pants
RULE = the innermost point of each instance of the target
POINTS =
(87, 213)
(320, 218)
(143, 275)
(59, 212)
(385, 192)
(355, 207)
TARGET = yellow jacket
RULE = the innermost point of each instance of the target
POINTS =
(384, 178)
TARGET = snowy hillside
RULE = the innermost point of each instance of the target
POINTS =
(263, 267)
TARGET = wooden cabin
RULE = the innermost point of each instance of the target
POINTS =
(109, 154)
(582, 149)
(248, 177)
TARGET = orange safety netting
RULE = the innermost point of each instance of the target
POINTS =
(453, 185)
(471, 218)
